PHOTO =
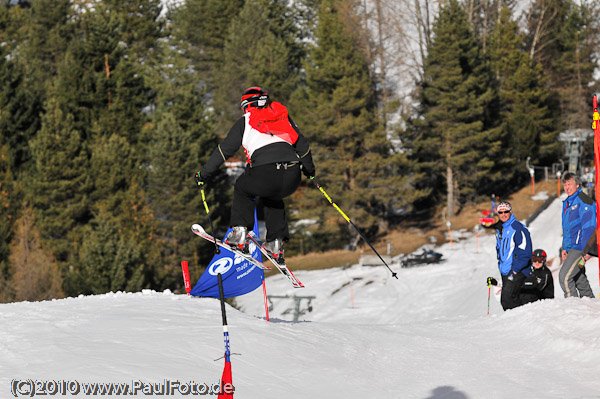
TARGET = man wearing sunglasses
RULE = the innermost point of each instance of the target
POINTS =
(578, 225)
(514, 249)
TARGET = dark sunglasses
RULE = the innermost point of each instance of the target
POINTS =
(503, 212)
(541, 260)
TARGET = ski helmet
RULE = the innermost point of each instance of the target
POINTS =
(539, 255)
(255, 97)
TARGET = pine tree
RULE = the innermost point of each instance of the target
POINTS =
(97, 114)
(455, 140)
(101, 78)
(33, 38)
(262, 49)
(178, 142)
(484, 16)
(60, 186)
(576, 62)
(526, 102)
(139, 25)
(120, 94)
(117, 251)
(19, 111)
(203, 39)
(6, 177)
(337, 113)
(8, 209)
(563, 39)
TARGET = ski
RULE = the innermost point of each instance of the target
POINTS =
(281, 267)
(199, 231)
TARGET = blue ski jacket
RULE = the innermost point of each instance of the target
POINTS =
(514, 248)
(578, 220)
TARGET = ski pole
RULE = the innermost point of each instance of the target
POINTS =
(226, 385)
(352, 224)
(212, 231)
(489, 281)
(223, 316)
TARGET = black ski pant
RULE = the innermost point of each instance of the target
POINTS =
(509, 297)
(272, 183)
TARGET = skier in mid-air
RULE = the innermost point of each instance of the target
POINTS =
(276, 152)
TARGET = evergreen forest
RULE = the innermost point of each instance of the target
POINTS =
(109, 107)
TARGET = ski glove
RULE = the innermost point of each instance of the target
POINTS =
(199, 179)
(308, 173)
(492, 281)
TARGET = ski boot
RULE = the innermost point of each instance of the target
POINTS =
(237, 238)
(275, 249)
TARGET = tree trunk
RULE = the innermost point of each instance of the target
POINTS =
(382, 62)
(485, 26)
(541, 27)
(450, 188)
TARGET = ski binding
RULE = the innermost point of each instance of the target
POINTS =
(282, 267)
(199, 231)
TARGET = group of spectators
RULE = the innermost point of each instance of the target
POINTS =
(525, 275)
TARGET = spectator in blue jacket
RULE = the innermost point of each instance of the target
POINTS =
(578, 225)
(513, 247)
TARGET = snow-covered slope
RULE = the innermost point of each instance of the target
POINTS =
(454, 287)
(425, 335)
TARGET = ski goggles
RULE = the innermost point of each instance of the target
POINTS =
(537, 259)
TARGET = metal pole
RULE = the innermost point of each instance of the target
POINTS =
(353, 225)
(224, 317)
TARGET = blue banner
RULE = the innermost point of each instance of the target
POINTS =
(239, 276)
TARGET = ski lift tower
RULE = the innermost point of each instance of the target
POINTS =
(574, 140)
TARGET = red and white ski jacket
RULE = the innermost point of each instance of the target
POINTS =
(268, 136)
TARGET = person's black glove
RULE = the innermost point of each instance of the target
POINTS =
(308, 173)
(492, 281)
(199, 179)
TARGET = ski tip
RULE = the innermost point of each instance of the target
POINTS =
(197, 227)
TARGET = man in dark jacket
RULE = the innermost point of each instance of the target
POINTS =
(276, 154)
(539, 284)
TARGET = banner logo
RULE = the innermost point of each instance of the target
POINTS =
(221, 266)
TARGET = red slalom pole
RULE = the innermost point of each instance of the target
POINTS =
(558, 183)
(489, 294)
(265, 297)
(186, 276)
(596, 128)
